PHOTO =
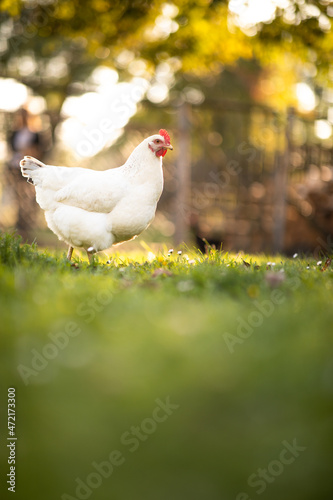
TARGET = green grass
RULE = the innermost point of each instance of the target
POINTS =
(244, 347)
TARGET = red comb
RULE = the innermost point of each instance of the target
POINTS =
(165, 134)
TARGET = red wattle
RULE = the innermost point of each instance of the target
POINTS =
(161, 152)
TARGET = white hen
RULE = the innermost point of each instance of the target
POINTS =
(96, 209)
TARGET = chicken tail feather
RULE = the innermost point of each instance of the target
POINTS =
(29, 167)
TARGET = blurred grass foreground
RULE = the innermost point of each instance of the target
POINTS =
(183, 376)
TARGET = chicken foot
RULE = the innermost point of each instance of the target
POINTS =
(90, 253)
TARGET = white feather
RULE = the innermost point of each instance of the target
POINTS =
(88, 208)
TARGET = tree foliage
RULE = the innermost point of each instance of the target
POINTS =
(200, 37)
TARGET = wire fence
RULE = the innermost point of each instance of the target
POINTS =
(245, 176)
(260, 181)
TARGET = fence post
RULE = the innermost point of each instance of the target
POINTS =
(183, 174)
(281, 186)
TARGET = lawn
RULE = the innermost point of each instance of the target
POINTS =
(167, 376)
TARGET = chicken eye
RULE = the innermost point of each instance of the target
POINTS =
(157, 141)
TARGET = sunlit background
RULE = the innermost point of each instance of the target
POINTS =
(83, 114)
(234, 88)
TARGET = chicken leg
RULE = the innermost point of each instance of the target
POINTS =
(90, 252)
(70, 252)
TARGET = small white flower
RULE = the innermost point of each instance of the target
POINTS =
(295, 255)
(171, 250)
(273, 264)
(179, 252)
(319, 262)
(151, 256)
(308, 267)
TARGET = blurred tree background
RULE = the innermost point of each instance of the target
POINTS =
(220, 74)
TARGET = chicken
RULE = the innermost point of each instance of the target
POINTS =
(97, 209)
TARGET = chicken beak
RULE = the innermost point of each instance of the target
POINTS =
(168, 146)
